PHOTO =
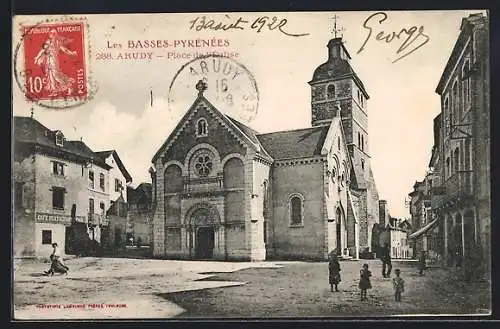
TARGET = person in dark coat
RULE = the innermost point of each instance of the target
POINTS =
(399, 285)
(421, 262)
(385, 257)
(334, 271)
(364, 280)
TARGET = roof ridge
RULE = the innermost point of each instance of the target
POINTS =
(292, 130)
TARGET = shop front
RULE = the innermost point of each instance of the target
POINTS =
(52, 228)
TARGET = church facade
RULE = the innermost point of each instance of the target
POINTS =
(223, 191)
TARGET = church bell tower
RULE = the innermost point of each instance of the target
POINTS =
(337, 91)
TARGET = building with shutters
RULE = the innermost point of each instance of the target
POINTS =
(60, 188)
(457, 188)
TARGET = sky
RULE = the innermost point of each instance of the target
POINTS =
(401, 107)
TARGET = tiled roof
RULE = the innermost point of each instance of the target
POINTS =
(250, 133)
(291, 144)
(105, 154)
(29, 130)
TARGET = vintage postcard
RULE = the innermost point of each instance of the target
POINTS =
(239, 165)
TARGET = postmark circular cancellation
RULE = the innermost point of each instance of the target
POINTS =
(52, 63)
(231, 88)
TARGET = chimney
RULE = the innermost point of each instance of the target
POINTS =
(382, 212)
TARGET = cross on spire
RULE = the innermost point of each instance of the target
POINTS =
(201, 86)
(336, 30)
(32, 112)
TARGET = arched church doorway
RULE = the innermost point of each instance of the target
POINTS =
(205, 242)
(203, 226)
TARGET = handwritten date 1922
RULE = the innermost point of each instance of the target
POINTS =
(259, 24)
(413, 38)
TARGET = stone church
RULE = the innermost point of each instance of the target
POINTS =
(223, 191)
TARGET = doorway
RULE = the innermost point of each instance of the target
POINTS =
(205, 238)
(339, 231)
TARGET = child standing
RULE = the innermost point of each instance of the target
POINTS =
(334, 271)
(364, 280)
(399, 285)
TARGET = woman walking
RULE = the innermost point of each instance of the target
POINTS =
(57, 263)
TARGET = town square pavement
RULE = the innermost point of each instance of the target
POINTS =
(121, 288)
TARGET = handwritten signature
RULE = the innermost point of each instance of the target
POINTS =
(409, 36)
(259, 24)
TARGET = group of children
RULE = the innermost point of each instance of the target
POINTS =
(364, 278)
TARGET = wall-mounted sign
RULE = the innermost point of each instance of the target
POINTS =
(56, 218)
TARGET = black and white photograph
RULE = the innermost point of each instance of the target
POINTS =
(251, 165)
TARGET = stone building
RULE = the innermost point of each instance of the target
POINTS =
(460, 192)
(426, 234)
(222, 190)
(393, 232)
(60, 188)
(140, 213)
(114, 235)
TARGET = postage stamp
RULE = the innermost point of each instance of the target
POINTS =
(54, 56)
(230, 85)
(51, 63)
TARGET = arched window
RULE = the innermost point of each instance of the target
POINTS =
(467, 156)
(446, 111)
(59, 139)
(362, 143)
(333, 175)
(338, 143)
(362, 164)
(457, 159)
(201, 128)
(330, 91)
(466, 83)
(265, 207)
(455, 102)
(359, 139)
(296, 210)
(448, 166)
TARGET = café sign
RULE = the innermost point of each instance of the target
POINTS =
(57, 219)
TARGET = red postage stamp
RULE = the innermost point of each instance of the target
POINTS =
(54, 61)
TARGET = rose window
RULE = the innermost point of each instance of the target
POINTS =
(203, 165)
